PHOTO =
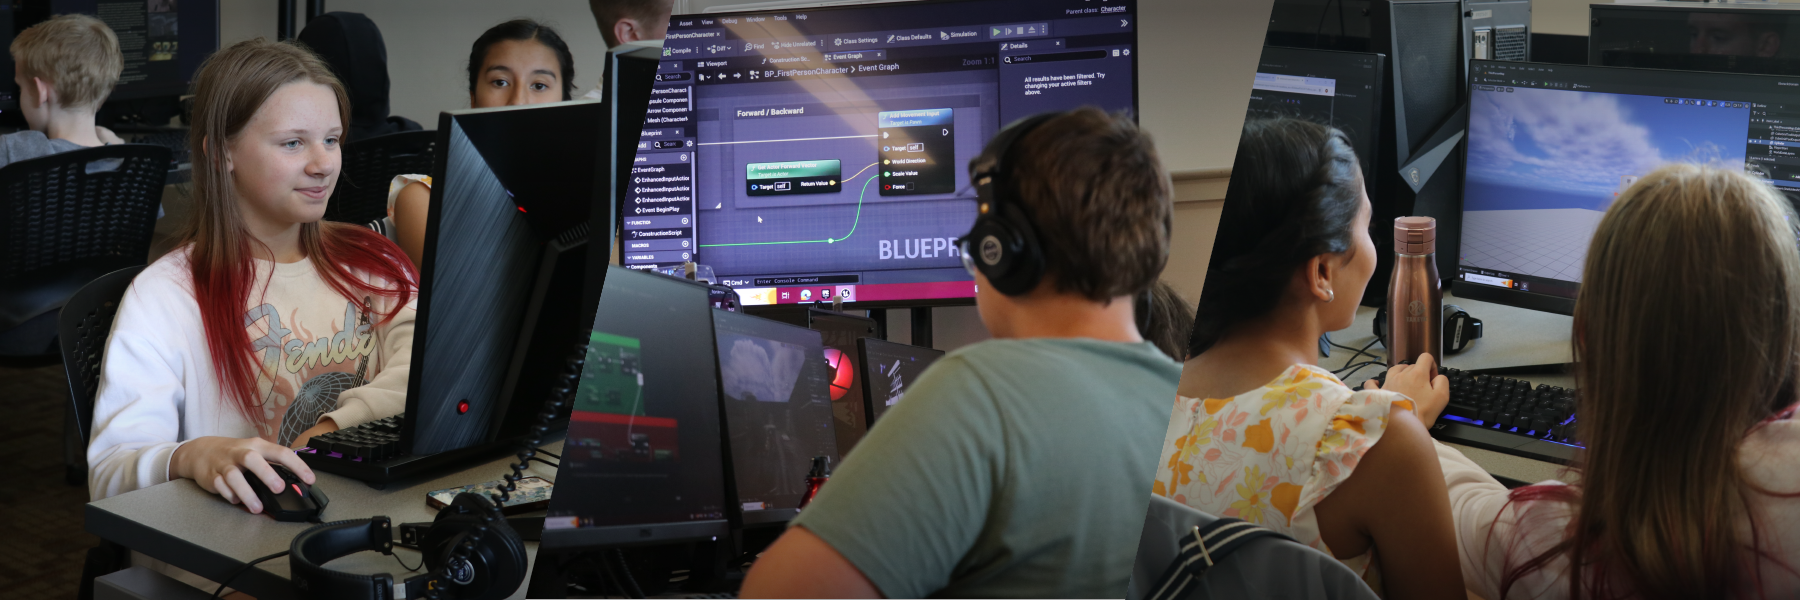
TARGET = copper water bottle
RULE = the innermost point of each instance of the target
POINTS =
(1414, 302)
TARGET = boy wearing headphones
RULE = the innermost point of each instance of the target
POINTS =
(1017, 466)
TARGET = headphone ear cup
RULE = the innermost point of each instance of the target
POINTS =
(497, 567)
(1007, 254)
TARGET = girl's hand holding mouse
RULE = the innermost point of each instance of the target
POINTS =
(1429, 391)
(218, 464)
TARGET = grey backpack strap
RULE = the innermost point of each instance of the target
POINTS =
(1202, 548)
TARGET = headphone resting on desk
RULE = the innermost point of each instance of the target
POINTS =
(1460, 328)
(471, 550)
(496, 567)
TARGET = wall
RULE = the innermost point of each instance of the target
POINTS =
(428, 42)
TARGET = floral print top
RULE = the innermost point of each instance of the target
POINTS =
(1269, 455)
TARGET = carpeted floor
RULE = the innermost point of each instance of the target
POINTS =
(42, 542)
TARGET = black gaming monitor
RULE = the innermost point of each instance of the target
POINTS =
(500, 288)
(888, 368)
(1688, 36)
(643, 461)
(774, 384)
(812, 154)
(1340, 89)
(1551, 147)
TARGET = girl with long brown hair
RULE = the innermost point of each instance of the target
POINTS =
(265, 326)
(1687, 337)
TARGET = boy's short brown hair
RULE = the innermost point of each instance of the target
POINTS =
(1098, 197)
(76, 53)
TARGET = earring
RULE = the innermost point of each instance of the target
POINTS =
(1330, 296)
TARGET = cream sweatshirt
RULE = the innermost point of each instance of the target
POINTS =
(320, 356)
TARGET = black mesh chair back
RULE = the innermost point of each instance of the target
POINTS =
(54, 211)
(66, 219)
(82, 329)
(362, 187)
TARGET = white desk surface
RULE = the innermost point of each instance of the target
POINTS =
(1512, 337)
(179, 523)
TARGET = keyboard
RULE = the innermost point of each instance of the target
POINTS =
(373, 441)
(373, 453)
(1508, 415)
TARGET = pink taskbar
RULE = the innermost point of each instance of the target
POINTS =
(878, 292)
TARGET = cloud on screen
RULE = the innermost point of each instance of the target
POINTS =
(761, 368)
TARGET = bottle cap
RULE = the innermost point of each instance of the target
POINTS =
(1415, 235)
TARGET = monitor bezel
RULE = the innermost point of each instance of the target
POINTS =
(1136, 7)
(617, 536)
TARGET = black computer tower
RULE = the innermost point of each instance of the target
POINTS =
(1419, 171)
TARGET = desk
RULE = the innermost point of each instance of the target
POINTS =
(183, 525)
(1532, 341)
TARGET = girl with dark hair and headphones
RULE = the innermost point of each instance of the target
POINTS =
(1259, 431)
(1019, 466)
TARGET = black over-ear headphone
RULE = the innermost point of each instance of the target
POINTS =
(495, 568)
(1004, 243)
(1460, 328)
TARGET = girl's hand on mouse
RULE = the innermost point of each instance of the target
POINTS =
(218, 464)
(1429, 391)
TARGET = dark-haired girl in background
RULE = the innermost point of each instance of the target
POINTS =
(1260, 432)
(514, 63)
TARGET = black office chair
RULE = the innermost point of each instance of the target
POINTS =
(361, 194)
(81, 332)
(82, 329)
(65, 220)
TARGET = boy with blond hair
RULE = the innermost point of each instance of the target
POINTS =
(65, 68)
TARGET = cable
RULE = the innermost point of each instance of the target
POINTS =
(244, 569)
(546, 462)
(559, 396)
(549, 454)
(403, 563)
(1364, 351)
(625, 570)
(1352, 369)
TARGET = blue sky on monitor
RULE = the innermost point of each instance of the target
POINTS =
(1585, 142)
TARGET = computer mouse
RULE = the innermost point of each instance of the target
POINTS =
(296, 502)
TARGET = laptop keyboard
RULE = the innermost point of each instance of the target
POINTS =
(369, 442)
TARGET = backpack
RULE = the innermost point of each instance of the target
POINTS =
(1187, 554)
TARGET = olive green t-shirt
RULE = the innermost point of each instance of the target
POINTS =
(1013, 468)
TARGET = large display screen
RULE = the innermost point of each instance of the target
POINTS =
(821, 154)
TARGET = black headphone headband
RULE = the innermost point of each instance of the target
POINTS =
(1003, 238)
(497, 566)
(324, 543)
